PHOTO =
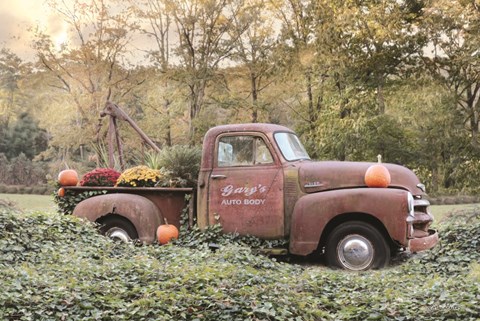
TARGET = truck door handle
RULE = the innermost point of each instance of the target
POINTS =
(218, 176)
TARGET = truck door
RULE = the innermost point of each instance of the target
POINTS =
(246, 186)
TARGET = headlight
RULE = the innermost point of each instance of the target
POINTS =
(422, 187)
(410, 204)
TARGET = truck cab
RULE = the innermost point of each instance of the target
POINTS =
(257, 179)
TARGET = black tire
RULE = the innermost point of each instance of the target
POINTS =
(118, 228)
(357, 246)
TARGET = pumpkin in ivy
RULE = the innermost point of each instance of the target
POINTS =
(377, 176)
(61, 192)
(68, 177)
(166, 232)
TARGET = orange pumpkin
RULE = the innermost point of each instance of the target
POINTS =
(166, 232)
(68, 177)
(61, 192)
(377, 176)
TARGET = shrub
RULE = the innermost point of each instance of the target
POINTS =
(12, 189)
(139, 176)
(100, 177)
(40, 190)
(181, 165)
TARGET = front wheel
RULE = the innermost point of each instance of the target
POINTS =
(118, 228)
(357, 246)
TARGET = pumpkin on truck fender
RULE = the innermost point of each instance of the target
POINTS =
(68, 177)
(377, 176)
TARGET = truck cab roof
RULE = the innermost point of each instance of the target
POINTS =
(250, 127)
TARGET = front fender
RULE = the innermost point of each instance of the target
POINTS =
(140, 211)
(313, 212)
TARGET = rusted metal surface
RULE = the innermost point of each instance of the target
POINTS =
(424, 243)
(141, 212)
(209, 199)
(314, 211)
(329, 175)
(292, 192)
(115, 112)
(139, 205)
(247, 199)
(133, 190)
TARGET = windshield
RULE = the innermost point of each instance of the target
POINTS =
(291, 147)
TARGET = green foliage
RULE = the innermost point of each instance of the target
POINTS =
(66, 204)
(152, 160)
(55, 267)
(181, 164)
(22, 171)
(25, 136)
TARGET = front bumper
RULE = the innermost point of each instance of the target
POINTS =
(423, 243)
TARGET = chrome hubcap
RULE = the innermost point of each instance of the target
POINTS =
(116, 233)
(355, 252)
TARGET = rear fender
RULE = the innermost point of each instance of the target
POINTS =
(313, 212)
(140, 211)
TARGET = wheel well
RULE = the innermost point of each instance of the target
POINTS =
(342, 218)
(101, 220)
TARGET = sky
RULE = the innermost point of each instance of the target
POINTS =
(17, 17)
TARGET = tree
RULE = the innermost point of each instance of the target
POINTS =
(204, 43)
(88, 70)
(454, 27)
(158, 97)
(379, 40)
(25, 137)
(299, 22)
(254, 30)
(12, 69)
(157, 27)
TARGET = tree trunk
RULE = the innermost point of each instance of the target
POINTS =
(197, 94)
(254, 92)
(312, 116)
(380, 94)
(168, 134)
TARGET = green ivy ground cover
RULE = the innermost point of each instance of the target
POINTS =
(54, 267)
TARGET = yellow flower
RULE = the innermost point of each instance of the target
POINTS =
(139, 176)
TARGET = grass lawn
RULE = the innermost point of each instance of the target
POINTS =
(440, 211)
(28, 202)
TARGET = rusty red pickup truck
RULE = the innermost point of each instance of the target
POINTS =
(257, 179)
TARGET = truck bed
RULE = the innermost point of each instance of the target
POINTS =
(170, 200)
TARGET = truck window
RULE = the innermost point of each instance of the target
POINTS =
(243, 151)
(291, 147)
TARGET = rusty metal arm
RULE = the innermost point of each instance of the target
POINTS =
(116, 112)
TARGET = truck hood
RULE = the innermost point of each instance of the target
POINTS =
(330, 175)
